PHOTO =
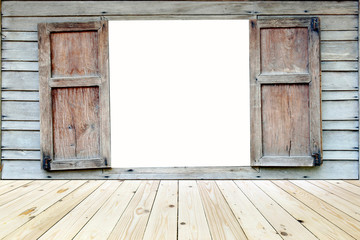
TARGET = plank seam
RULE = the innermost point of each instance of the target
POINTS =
(318, 199)
(94, 212)
(257, 209)
(73, 207)
(297, 220)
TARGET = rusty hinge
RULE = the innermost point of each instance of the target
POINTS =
(315, 24)
(317, 158)
(46, 163)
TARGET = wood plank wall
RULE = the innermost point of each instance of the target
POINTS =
(339, 62)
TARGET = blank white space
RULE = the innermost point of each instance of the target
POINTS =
(179, 93)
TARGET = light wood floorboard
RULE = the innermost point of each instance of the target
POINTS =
(180, 209)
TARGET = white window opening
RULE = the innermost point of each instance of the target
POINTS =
(179, 93)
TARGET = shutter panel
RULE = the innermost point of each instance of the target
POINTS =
(74, 95)
(285, 92)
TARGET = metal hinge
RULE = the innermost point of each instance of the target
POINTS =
(317, 158)
(46, 163)
(315, 24)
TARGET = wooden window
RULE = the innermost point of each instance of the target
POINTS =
(284, 89)
(285, 92)
(74, 95)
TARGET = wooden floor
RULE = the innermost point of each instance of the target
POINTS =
(168, 210)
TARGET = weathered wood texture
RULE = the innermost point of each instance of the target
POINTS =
(74, 95)
(74, 54)
(339, 63)
(285, 133)
(0, 92)
(25, 169)
(285, 92)
(169, 7)
(76, 122)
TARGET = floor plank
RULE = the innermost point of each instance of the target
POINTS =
(36, 227)
(258, 228)
(338, 191)
(133, 222)
(354, 182)
(346, 186)
(341, 219)
(162, 223)
(81, 214)
(22, 190)
(103, 222)
(5, 182)
(180, 209)
(318, 225)
(34, 208)
(221, 220)
(336, 201)
(192, 222)
(282, 221)
(12, 185)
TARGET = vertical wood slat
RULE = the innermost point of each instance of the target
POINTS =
(46, 140)
(255, 94)
(75, 124)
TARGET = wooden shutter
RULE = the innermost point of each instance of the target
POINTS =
(285, 92)
(74, 95)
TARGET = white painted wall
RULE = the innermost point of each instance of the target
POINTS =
(179, 93)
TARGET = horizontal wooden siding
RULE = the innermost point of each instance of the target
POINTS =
(339, 63)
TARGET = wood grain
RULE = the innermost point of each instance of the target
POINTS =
(321, 227)
(285, 91)
(132, 223)
(281, 220)
(338, 191)
(13, 185)
(336, 201)
(162, 222)
(342, 220)
(76, 123)
(285, 120)
(222, 222)
(291, 56)
(21, 190)
(35, 208)
(192, 223)
(74, 53)
(191, 7)
(80, 215)
(72, 134)
(103, 222)
(258, 228)
(38, 226)
(21, 206)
